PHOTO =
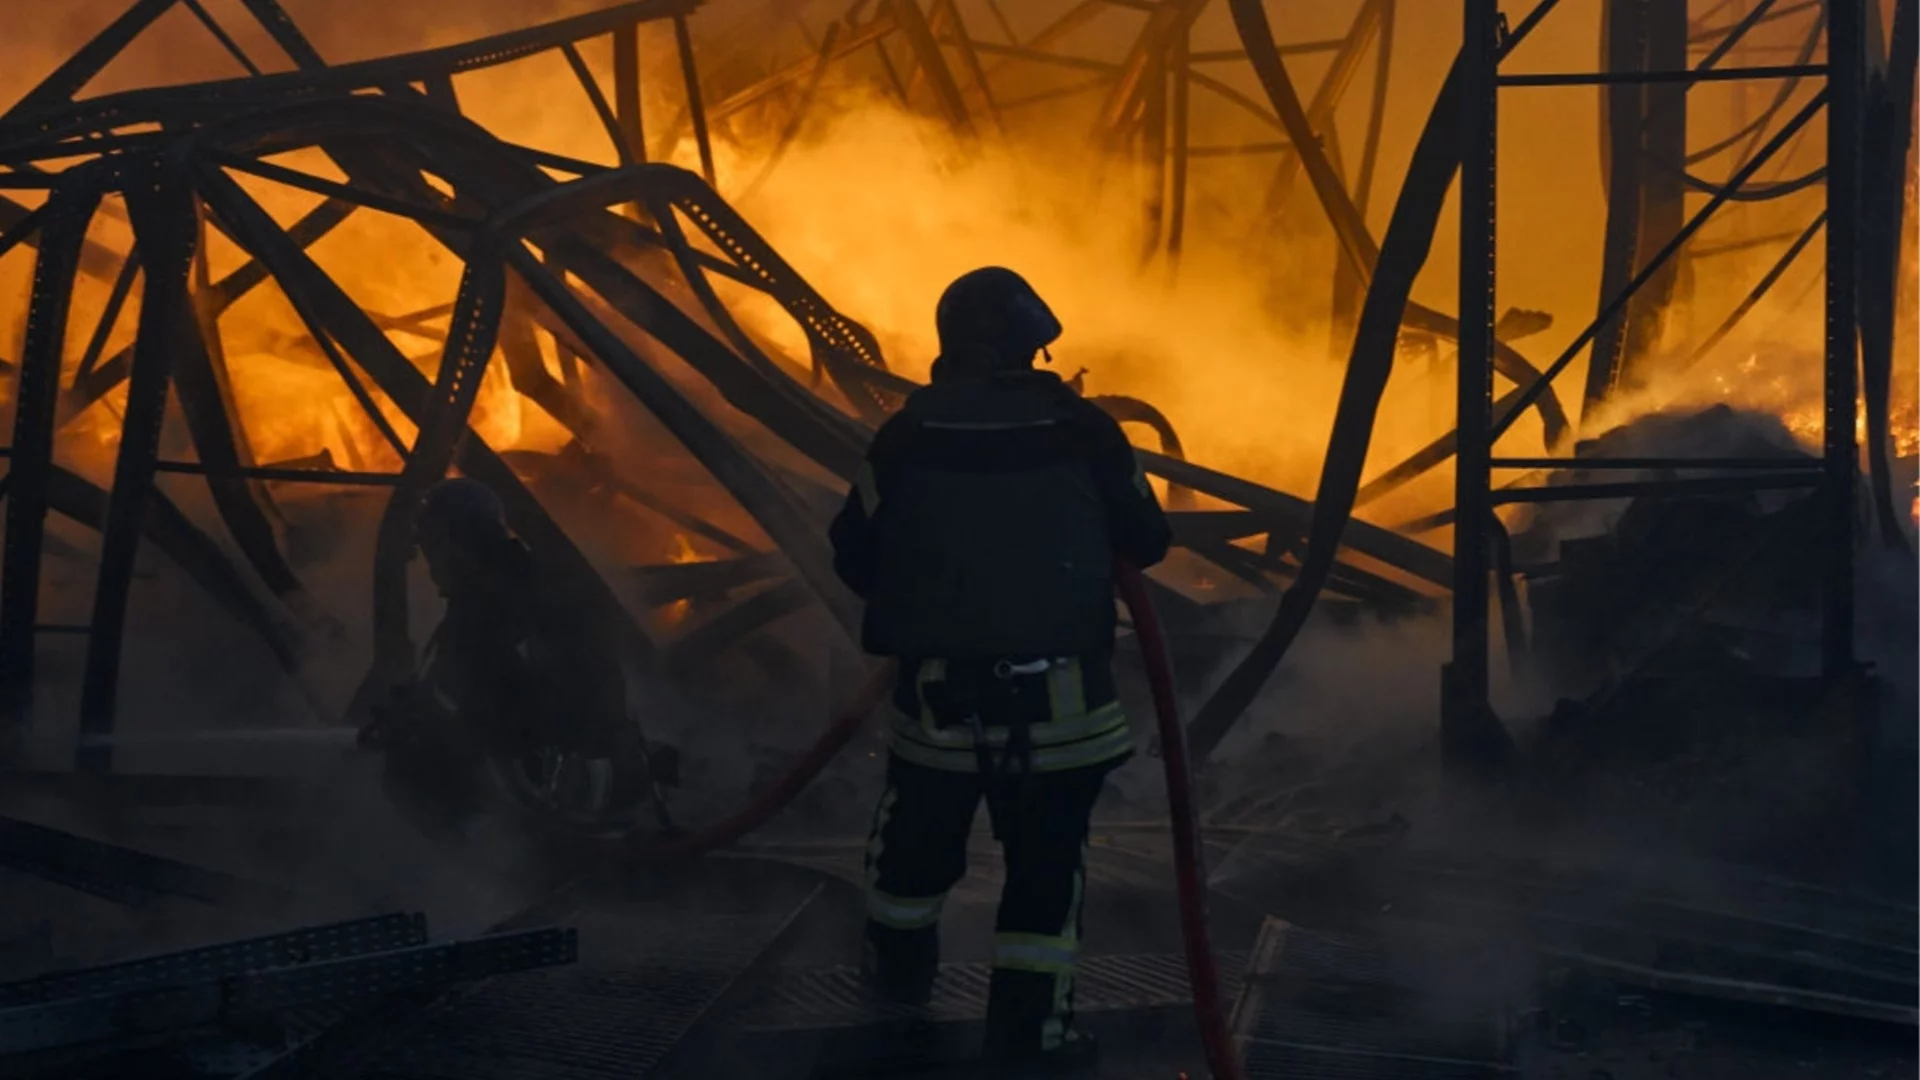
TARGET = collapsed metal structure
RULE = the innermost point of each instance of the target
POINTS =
(1647, 227)
(642, 238)
(622, 268)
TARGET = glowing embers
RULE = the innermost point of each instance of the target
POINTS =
(675, 613)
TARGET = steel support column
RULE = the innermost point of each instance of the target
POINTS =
(164, 223)
(1846, 58)
(696, 102)
(1465, 709)
(1181, 65)
(626, 91)
(35, 419)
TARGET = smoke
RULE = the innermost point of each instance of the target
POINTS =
(880, 207)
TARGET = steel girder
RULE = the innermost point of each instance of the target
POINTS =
(1350, 227)
(1404, 250)
(578, 236)
(165, 226)
(324, 306)
(630, 295)
(46, 123)
(1845, 92)
(1888, 139)
(69, 209)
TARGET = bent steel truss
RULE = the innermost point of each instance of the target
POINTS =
(603, 257)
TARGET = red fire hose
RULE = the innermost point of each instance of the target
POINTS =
(1189, 862)
(775, 799)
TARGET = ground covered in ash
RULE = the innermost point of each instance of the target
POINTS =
(1724, 784)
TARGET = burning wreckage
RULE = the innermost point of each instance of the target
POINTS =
(627, 303)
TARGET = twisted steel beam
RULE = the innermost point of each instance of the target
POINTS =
(69, 208)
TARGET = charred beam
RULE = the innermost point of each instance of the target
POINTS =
(228, 97)
(696, 99)
(1408, 240)
(36, 398)
(626, 94)
(79, 69)
(161, 205)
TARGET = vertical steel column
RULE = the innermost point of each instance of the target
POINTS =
(696, 101)
(1464, 703)
(1153, 151)
(1846, 59)
(626, 90)
(63, 232)
(930, 65)
(1181, 106)
(165, 226)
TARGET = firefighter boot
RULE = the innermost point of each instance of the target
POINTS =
(900, 964)
(1030, 1027)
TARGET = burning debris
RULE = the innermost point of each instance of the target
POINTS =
(607, 285)
(615, 266)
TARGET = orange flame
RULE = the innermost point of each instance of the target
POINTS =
(676, 613)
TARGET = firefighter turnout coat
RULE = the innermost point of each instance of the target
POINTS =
(981, 533)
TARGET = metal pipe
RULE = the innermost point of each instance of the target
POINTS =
(970, 56)
(1846, 58)
(296, 476)
(1617, 78)
(696, 103)
(36, 398)
(1153, 148)
(1753, 298)
(1531, 394)
(220, 33)
(626, 93)
(426, 215)
(598, 99)
(1464, 698)
(1629, 489)
(1182, 72)
(930, 64)
(161, 205)
(109, 316)
(1582, 464)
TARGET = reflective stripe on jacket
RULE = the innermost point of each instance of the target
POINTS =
(1075, 734)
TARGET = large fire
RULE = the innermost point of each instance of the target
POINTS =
(879, 206)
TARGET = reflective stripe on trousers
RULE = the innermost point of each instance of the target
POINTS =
(897, 912)
(919, 852)
(1055, 955)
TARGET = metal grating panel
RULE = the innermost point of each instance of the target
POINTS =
(837, 997)
(1312, 955)
(648, 980)
(376, 976)
(1134, 860)
(120, 874)
(1378, 1033)
(1265, 1060)
(129, 1014)
(1652, 938)
(1330, 1006)
(306, 945)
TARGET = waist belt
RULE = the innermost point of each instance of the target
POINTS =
(997, 693)
(967, 690)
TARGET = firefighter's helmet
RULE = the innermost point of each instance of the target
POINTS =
(993, 315)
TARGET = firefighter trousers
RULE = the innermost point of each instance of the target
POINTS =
(917, 852)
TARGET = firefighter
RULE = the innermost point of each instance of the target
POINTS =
(981, 533)
(508, 678)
